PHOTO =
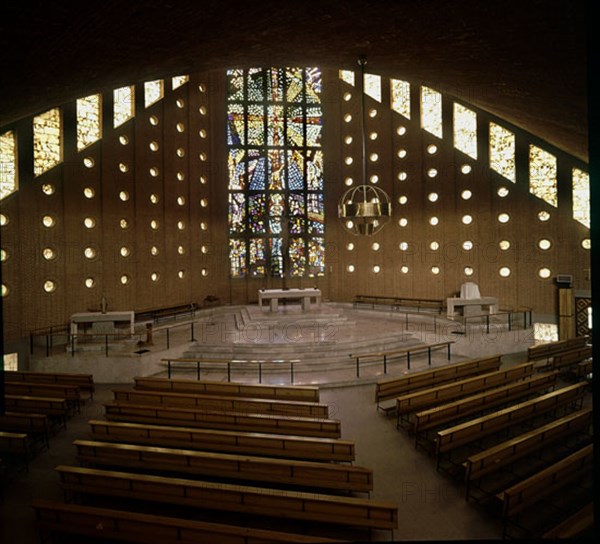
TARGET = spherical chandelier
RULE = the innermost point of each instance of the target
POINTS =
(364, 210)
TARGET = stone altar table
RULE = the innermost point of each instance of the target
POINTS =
(273, 295)
(101, 322)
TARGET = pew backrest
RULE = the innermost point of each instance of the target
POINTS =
(500, 455)
(275, 445)
(547, 481)
(85, 382)
(446, 413)
(225, 465)
(469, 431)
(394, 387)
(301, 426)
(412, 402)
(93, 522)
(291, 392)
(215, 402)
(350, 511)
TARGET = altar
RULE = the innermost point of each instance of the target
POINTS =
(102, 322)
(471, 302)
(305, 295)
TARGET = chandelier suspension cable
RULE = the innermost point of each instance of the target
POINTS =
(362, 61)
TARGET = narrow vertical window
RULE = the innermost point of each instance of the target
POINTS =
(8, 164)
(431, 111)
(400, 97)
(581, 197)
(465, 130)
(347, 76)
(47, 141)
(373, 86)
(276, 207)
(89, 120)
(153, 92)
(178, 81)
(502, 152)
(542, 175)
(124, 105)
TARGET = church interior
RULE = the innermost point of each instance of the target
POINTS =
(309, 273)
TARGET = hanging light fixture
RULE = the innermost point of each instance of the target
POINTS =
(364, 210)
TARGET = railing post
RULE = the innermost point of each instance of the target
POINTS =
(169, 368)
(31, 343)
(384, 363)
(408, 360)
(487, 324)
(106, 345)
(228, 371)
(259, 372)
(291, 372)
(168, 339)
(509, 321)
(449, 344)
(429, 355)
(357, 368)
(198, 370)
(192, 338)
(72, 345)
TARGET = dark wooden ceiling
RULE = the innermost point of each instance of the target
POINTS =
(523, 60)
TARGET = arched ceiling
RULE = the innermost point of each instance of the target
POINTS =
(523, 60)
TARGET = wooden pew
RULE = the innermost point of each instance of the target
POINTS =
(53, 407)
(272, 445)
(572, 357)
(550, 480)
(412, 402)
(33, 389)
(449, 412)
(584, 369)
(85, 382)
(576, 525)
(214, 419)
(228, 404)
(15, 445)
(550, 349)
(35, 425)
(349, 511)
(391, 388)
(54, 518)
(493, 459)
(226, 465)
(469, 431)
(229, 389)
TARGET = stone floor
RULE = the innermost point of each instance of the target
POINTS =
(431, 506)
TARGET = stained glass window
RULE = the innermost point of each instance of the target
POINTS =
(153, 92)
(8, 164)
(542, 175)
(400, 97)
(502, 152)
(431, 111)
(581, 197)
(89, 120)
(276, 208)
(124, 105)
(465, 130)
(47, 141)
